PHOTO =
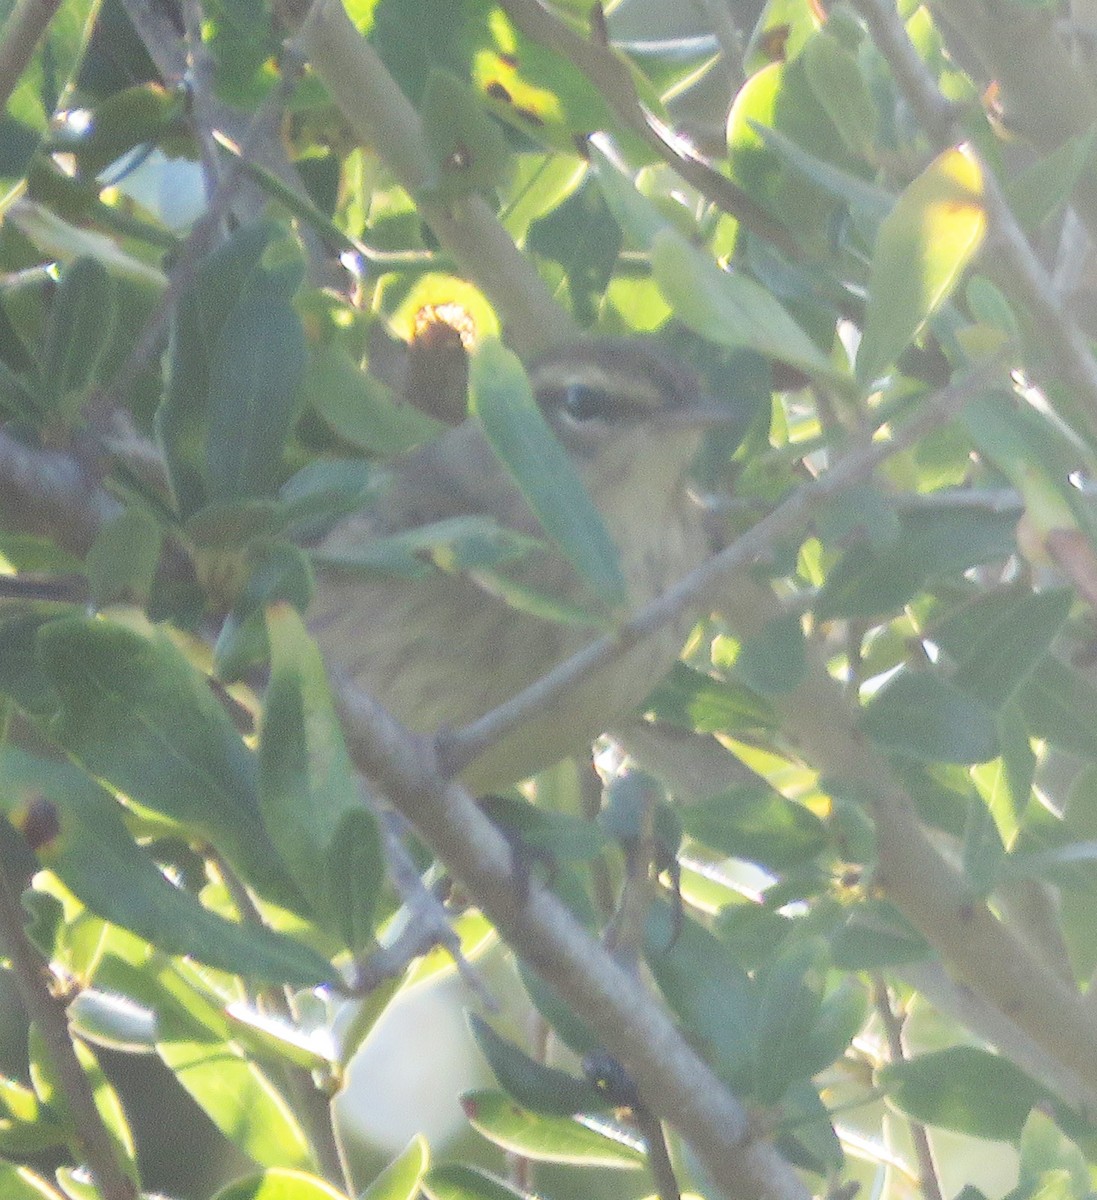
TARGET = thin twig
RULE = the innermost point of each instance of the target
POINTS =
(461, 747)
(612, 79)
(929, 1179)
(428, 925)
(48, 1013)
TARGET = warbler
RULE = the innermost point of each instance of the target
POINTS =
(441, 650)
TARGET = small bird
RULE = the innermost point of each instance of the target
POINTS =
(440, 651)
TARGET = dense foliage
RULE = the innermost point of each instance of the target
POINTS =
(838, 932)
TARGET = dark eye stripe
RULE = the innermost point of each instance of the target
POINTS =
(583, 402)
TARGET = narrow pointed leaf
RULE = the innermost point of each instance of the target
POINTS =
(519, 434)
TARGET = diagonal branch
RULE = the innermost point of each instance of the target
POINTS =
(674, 1082)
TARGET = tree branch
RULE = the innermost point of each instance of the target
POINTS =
(462, 746)
(385, 121)
(24, 28)
(673, 1081)
(48, 1013)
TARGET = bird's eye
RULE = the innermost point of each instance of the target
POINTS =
(582, 402)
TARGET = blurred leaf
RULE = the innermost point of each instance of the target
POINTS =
(21, 1183)
(121, 562)
(788, 1008)
(754, 822)
(874, 202)
(1059, 704)
(77, 333)
(58, 52)
(50, 1088)
(693, 700)
(964, 1089)
(835, 78)
(139, 716)
(255, 370)
(774, 661)
(198, 320)
(232, 1091)
(537, 1088)
(402, 1178)
(780, 96)
(546, 1138)
(359, 408)
(1041, 187)
(729, 308)
(280, 1183)
(997, 641)
(455, 543)
(571, 1030)
(240, 36)
(582, 236)
(455, 1181)
(922, 248)
(469, 148)
(927, 717)
(114, 1021)
(309, 793)
(932, 543)
(503, 401)
(712, 996)
(89, 848)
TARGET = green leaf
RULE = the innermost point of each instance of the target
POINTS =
(256, 368)
(455, 543)
(51, 1091)
(546, 1138)
(455, 1181)
(933, 543)
(402, 1178)
(469, 148)
(731, 309)
(309, 793)
(139, 716)
(537, 1088)
(78, 333)
(199, 317)
(998, 640)
(1040, 187)
(121, 562)
(922, 248)
(359, 408)
(21, 1183)
(964, 1089)
(571, 1030)
(232, 1090)
(503, 401)
(280, 1184)
(85, 841)
(788, 1007)
(1059, 704)
(692, 700)
(926, 717)
(836, 79)
(582, 236)
(713, 997)
(774, 661)
(753, 822)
